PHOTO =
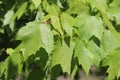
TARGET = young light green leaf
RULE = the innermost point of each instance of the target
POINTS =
(63, 55)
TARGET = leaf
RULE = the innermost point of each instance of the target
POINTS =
(51, 9)
(114, 10)
(95, 50)
(67, 23)
(63, 55)
(112, 60)
(34, 36)
(13, 66)
(109, 42)
(47, 37)
(77, 7)
(8, 17)
(99, 4)
(10, 51)
(20, 11)
(59, 4)
(89, 26)
(36, 2)
(56, 24)
(85, 57)
(2, 68)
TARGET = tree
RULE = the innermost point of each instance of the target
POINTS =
(40, 39)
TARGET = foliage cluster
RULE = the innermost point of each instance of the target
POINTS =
(39, 38)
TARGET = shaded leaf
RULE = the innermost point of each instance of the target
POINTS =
(36, 74)
(13, 66)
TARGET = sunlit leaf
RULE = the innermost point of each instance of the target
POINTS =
(99, 4)
(114, 10)
(2, 68)
(95, 50)
(8, 17)
(109, 42)
(35, 35)
(63, 55)
(21, 10)
(89, 26)
(67, 23)
(77, 7)
(112, 60)
(85, 57)
(56, 24)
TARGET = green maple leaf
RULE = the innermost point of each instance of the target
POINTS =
(114, 10)
(89, 26)
(51, 9)
(63, 55)
(77, 7)
(88, 54)
(33, 36)
(56, 24)
(113, 61)
(85, 57)
(95, 50)
(67, 23)
(110, 41)
(99, 4)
